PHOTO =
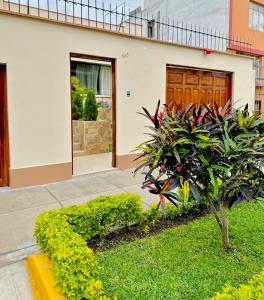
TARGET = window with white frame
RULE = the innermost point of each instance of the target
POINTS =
(94, 76)
(256, 16)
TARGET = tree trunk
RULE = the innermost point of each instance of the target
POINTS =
(221, 219)
(225, 229)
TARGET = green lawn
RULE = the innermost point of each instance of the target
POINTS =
(187, 262)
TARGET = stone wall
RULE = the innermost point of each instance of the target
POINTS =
(92, 137)
(105, 114)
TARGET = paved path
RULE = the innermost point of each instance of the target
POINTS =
(18, 209)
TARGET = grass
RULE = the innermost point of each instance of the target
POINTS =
(187, 262)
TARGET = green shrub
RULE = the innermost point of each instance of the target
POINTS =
(98, 216)
(172, 212)
(207, 152)
(77, 98)
(90, 112)
(254, 290)
(72, 261)
(63, 234)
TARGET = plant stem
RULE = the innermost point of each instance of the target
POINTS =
(223, 224)
(225, 229)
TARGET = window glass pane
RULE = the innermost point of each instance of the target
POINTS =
(88, 75)
(94, 76)
(261, 21)
(256, 16)
(250, 17)
(105, 81)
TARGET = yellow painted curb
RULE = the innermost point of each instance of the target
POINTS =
(42, 278)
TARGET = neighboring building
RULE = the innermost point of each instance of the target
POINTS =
(237, 19)
(247, 20)
(39, 52)
(196, 12)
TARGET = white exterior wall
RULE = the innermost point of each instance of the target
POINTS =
(38, 73)
(210, 14)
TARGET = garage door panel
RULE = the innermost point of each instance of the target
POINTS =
(217, 97)
(191, 86)
(170, 94)
(223, 98)
(209, 96)
(195, 96)
(178, 95)
(207, 80)
(175, 78)
(206, 96)
(191, 79)
(187, 94)
(220, 82)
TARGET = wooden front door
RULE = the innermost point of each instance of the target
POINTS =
(4, 157)
(185, 86)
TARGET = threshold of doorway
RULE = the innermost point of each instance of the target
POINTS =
(94, 171)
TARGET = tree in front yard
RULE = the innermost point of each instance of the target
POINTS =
(90, 112)
(210, 153)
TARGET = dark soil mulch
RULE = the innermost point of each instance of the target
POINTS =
(136, 232)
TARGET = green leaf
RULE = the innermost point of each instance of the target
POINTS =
(203, 137)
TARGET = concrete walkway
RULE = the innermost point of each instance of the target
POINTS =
(18, 209)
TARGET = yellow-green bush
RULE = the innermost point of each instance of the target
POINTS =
(254, 290)
(63, 235)
(98, 216)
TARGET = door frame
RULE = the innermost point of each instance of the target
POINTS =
(113, 67)
(6, 155)
(229, 73)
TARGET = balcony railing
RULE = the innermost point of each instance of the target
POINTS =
(259, 68)
(259, 104)
(135, 23)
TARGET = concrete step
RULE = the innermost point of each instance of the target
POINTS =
(78, 153)
(76, 146)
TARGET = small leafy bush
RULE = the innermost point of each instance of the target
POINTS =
(63, 234)
(72, 261)
(98, 216)
(254, 290)
(77, 98)
(204, 152)
(90, 111)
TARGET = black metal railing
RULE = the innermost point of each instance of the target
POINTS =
(259, 104)
(137, 22)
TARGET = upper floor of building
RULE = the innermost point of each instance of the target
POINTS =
(240, 19)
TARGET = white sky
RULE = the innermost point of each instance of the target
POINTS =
(131, 3)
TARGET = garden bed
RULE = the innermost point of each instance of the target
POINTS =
(140, 231)
(186, 262)
(168, 263)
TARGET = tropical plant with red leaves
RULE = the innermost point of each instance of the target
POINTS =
(206, 152)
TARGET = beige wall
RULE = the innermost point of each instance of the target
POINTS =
(38, 69)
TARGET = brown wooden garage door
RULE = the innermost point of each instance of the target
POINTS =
(185, 86)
